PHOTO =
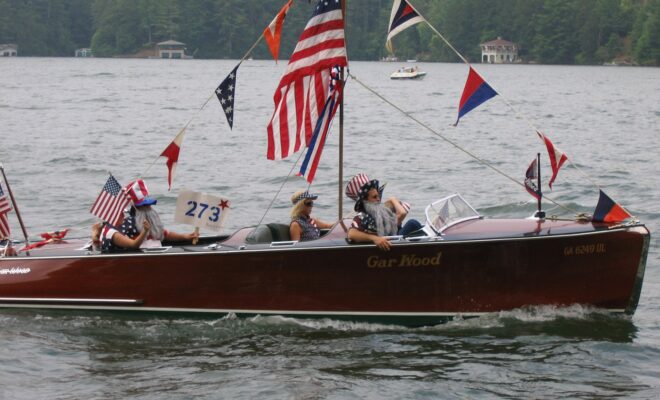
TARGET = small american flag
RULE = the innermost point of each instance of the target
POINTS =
(4, 209)
(111, 202)
(304, 87)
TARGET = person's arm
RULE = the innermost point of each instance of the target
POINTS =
(295, 230)
(323, 225)
(398, 210)
(126, 242)
(96, 235)
(358, 236)
(175, 236)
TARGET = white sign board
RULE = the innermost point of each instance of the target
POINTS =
(201, 210)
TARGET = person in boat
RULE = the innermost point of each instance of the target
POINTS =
(111, 239)
(376, 220)
(303, 227)
(142, 227)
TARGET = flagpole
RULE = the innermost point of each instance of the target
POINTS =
(340, 178)
(540, 214)
(13, 201)
(341, 149)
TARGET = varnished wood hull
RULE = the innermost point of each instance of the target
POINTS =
(476, 268)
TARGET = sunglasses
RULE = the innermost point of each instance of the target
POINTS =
(309, 203)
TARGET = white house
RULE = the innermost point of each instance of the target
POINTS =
(171, 49)
(84, 52)
(8, 50)
(499, 51)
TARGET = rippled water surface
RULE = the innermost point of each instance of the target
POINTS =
(67, 122)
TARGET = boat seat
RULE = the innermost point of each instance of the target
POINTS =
(280, 232)
(260, 234)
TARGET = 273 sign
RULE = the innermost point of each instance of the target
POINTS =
(201, 210)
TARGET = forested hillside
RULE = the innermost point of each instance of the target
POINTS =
(547, 31)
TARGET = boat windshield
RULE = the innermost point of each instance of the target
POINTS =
(449, 211)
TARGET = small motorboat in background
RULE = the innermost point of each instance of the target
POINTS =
(408, 73)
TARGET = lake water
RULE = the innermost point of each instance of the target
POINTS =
(66, 123)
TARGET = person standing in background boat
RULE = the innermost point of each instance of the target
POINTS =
(303, 227)
(375, 220)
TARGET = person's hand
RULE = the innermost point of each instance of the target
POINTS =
(146, 225)
(382, 243)
(192, 236)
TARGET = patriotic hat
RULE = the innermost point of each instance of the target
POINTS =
(358, 188)
(302, 194)
(360, 185)
(139, 194)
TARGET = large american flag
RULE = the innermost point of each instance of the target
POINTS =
(111, 202)
(4, 209)
(303, 89)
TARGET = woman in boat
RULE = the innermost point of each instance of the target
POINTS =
(142, 227)
(303, 227)
(144, 212)
(113, 239)
(375, 220)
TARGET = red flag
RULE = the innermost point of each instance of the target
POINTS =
(172, 155)
(607, 210)
(557, 157)
(304, 87)
(273, 31)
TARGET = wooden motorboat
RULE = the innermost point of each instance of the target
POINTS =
(460, 264)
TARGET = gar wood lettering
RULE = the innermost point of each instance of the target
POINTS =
(405, 260)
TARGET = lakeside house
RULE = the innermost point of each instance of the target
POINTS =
(171, 49)
(8, 50)
(84, 52)
(499, 51)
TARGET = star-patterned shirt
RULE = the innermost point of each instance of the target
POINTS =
(309, 229)
(127, 228)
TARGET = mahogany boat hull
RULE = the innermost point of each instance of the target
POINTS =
(417, 282)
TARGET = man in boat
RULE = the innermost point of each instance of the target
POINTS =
(376, 220)
(303, 227)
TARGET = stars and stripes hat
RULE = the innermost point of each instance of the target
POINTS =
(299, 195)
(360, 185)
(139, 194)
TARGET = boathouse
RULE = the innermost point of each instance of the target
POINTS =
(171, 49)
(8, 50)
(499, 51)
(84, 52)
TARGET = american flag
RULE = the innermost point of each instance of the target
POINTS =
(304, 87)
(4, 209)
(111, 202)
(315, 149)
